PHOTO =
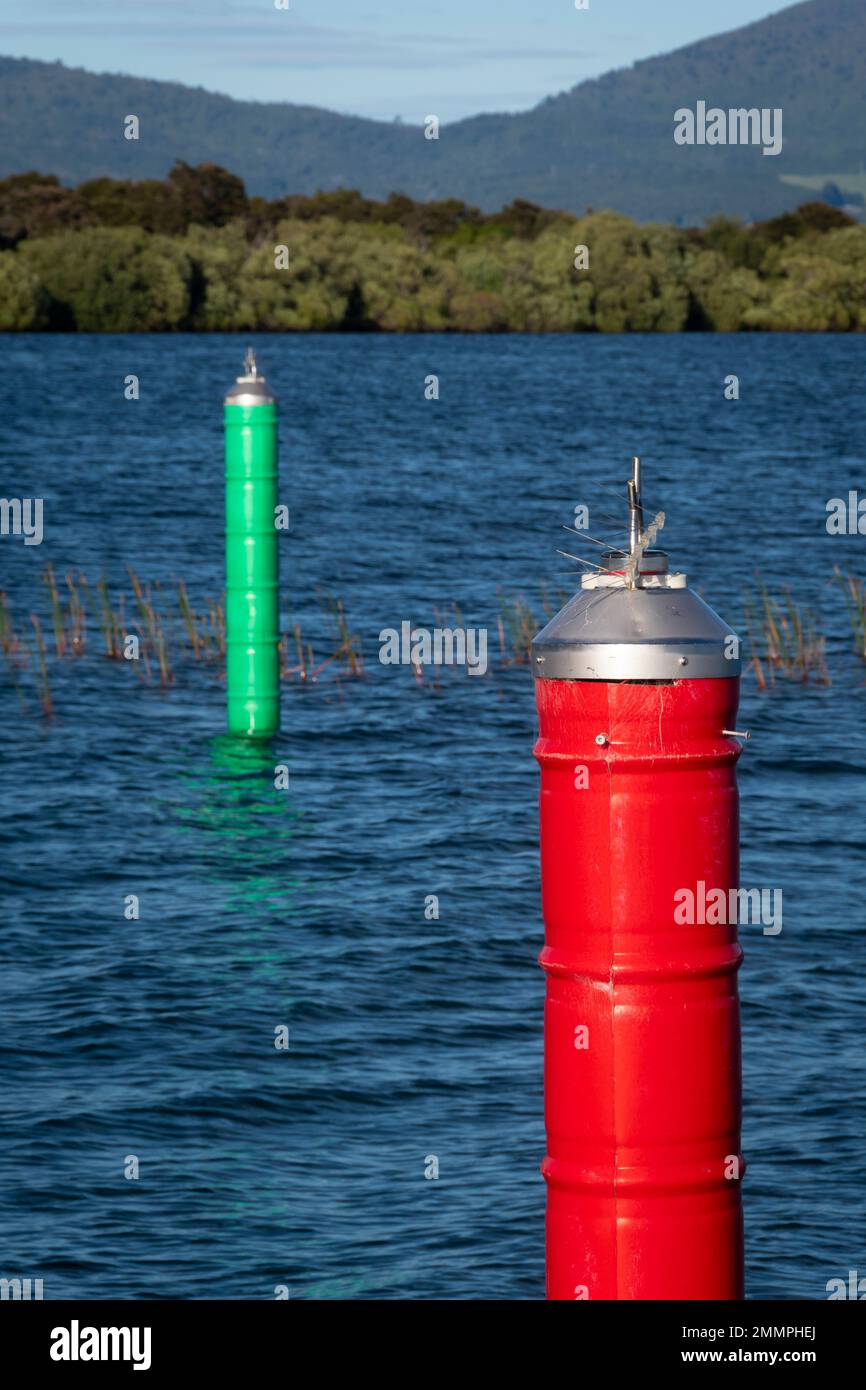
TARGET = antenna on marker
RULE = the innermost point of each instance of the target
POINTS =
(624, 562)
(634, 507)
(639, 539)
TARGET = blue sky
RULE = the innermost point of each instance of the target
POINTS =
(381, 58)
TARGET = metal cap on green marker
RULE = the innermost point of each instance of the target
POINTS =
(250, 389)
(252, 556)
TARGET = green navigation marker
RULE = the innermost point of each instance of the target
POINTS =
(252, 557)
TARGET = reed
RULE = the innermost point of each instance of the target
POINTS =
(152, 634)
(112, 631)
(77, 614)
(189, 621)
(8, 639)
(44, 687)
(784, 640)
(56, 610)
(301, 667)
(85, 601)
(783, 637)
(15, 652)
(349, 647)
(517, 627)
(217, 626)
(854, 590)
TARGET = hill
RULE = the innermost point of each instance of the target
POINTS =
(605, 143)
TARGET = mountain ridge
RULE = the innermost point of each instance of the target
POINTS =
(606, 142)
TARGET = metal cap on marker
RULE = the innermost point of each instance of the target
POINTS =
(251, 388)
(634, 620)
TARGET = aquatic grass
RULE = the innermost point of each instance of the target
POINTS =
(301, 668)
(8, 637)
(15, 652)
(45, 688)
(56, 610)
(346, 655)
(69, 618)
(189, 621)
(174, 632)
(755, 663)
(111, 626)
(151, 632)
(854, 590)
(349, 647)
(784, 640)
(217, 626)
(77, 613)
(517, 625)
(550, 607)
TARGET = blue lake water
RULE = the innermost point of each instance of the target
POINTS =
(260, 908)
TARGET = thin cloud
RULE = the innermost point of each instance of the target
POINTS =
(274, 40)
(353, 56)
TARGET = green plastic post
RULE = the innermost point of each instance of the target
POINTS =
(252, 557)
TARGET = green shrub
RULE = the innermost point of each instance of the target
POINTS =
(112, 280)
(23, 301)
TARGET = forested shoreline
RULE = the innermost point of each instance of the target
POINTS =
(193, 252)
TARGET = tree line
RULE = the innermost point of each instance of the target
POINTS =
(195, 252)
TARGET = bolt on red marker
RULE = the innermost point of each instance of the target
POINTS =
(637, 682)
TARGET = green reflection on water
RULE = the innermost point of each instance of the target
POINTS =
(230, 797)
